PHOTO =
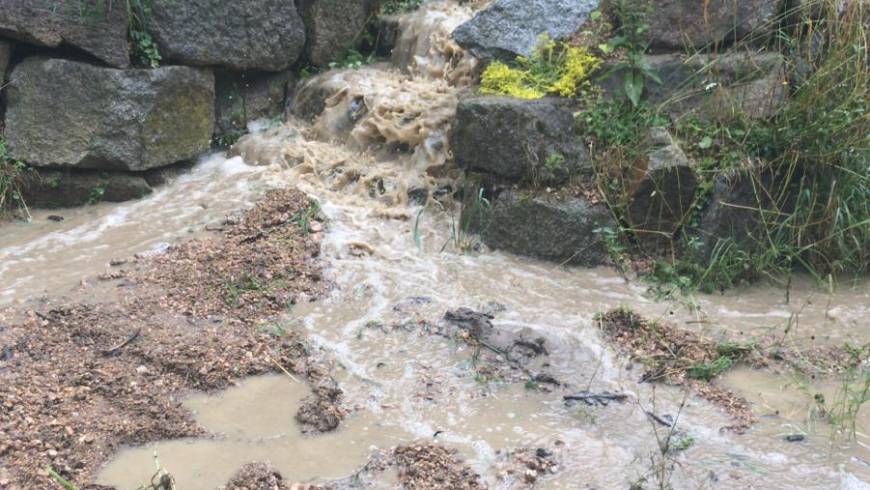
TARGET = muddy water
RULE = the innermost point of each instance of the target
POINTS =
(396, 265)
(253, 422)
(46, 256)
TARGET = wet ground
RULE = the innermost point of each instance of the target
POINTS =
(490, 388)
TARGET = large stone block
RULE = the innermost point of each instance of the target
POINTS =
(562, 230)
(679, 25)
(333, 26)
(248, 96)
(64, 113)
(96, 27)
(518, 140)
(250, 35)
(510, 28)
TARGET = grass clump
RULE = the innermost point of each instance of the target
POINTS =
(806, 162)
(13, 174)
(554, 68)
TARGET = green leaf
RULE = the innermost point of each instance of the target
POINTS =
(705, 143)
(634, 87)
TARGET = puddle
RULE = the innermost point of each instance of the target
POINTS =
(253, 422)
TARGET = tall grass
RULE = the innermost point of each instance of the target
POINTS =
(808, 163)
(12, 177)
(822, 140)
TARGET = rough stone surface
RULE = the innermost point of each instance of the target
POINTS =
(309, 98)
(510, 28)
(61, 189)
(752, 82)
(5, 52)
(676, 25)
(332, 26)
(248, 96)
(742, 201)
(559, 230)
(68, 114)
(662, 188)
(93, 26)
(251, 35)
(518, 140)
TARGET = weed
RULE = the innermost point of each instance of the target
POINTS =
(473, 217)
(616, 249)
(235, 289)
(806, 164)
(554, 68)
(706, 371)
(682, 442)
(97, 192)
(145, 50)
(304, 216)
(228, 139)
(392, 7)
(669, 443)
(63, 482)
(636, 71)
(13, 174)
(853, 393)
(353, 60)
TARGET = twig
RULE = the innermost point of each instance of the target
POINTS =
(123, 344)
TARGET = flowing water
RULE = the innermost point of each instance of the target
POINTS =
(396, 264)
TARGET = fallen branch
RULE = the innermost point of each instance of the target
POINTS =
(123, 344)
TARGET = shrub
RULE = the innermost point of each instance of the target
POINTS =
(554, 68)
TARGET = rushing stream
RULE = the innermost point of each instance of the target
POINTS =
(391, 270)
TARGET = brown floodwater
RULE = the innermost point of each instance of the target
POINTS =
(397, 263)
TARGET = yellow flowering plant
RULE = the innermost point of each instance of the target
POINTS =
(554, 68)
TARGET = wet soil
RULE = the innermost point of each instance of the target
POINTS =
(80, 381)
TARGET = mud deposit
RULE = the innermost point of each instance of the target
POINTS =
(366, 341)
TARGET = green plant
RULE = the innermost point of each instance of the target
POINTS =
(554, 68)
(13, 174)
(706, 371)
(304, 216)
(145, 50)
(392, 7)
(629, 39)
(473, 217)
(853, 393)
(64, 483)
(97, 192)
(228, 139)
(682, 442)
(353, 60)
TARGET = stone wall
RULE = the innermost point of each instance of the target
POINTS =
(77, 99)
(533, 145)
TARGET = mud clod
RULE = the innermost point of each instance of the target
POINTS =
(430, 466)
(321, 411)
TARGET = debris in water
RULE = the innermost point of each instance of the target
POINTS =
(671, 355)
(596, 399)
(258, 476)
